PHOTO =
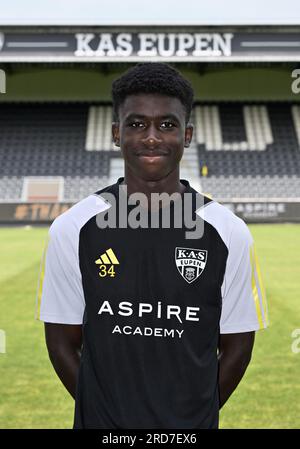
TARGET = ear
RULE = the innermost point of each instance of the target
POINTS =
(188, 135)
(115, 128)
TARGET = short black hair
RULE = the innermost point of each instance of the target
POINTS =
(152, 78)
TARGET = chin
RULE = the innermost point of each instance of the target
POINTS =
(150, 173)
(152, 176)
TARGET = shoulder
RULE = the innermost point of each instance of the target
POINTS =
(229, 226)
(69, 223)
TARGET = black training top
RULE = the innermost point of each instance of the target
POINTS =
(152, 302)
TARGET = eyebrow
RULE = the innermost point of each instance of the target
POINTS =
(162, 117)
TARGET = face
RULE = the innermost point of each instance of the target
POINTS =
(152, 134)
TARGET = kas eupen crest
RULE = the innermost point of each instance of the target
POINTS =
(190, 262)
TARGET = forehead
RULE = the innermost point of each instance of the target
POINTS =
(151, 105)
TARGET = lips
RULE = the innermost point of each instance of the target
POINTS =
(152, 158)
(152, 153)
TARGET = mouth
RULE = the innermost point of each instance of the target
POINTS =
(152, 154)
(152, 158)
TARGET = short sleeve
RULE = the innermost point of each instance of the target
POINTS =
(244, 304)
(60, 293)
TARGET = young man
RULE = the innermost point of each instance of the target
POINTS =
(145, 326)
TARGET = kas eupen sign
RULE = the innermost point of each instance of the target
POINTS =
(171, 46)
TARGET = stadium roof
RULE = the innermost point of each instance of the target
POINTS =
(154, 12)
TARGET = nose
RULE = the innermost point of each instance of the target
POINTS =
(151, 139)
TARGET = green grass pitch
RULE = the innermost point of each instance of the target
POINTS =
(31, 395)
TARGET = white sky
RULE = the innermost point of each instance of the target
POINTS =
(149, 12)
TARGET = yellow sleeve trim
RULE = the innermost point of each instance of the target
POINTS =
(258, 305)
(262, 289)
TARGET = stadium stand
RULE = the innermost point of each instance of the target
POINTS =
(259, 159)
(249, 150)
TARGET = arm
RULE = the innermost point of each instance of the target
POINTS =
(64, 343)
(234, 356)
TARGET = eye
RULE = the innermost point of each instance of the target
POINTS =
(136, 124)
(167, 124)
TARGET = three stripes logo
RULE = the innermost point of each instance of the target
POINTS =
(107, 262)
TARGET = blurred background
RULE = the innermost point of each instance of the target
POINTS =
(57, 63)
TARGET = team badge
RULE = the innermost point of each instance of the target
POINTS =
(190, 262)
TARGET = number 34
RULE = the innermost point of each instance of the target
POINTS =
(107, 272)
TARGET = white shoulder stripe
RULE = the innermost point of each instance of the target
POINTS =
(79, 214)
(60, 295)
(222, 219)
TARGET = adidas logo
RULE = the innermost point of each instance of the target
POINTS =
(107, 258)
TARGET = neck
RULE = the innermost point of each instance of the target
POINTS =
(169, 184)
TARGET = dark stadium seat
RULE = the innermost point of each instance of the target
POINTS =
(48, 140)
(250, 150)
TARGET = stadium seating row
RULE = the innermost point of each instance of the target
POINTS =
(248, 150)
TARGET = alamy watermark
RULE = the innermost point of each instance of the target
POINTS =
(296, 83)
(2, 342)
(161, 210)
(2, 82)
(295, 347)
